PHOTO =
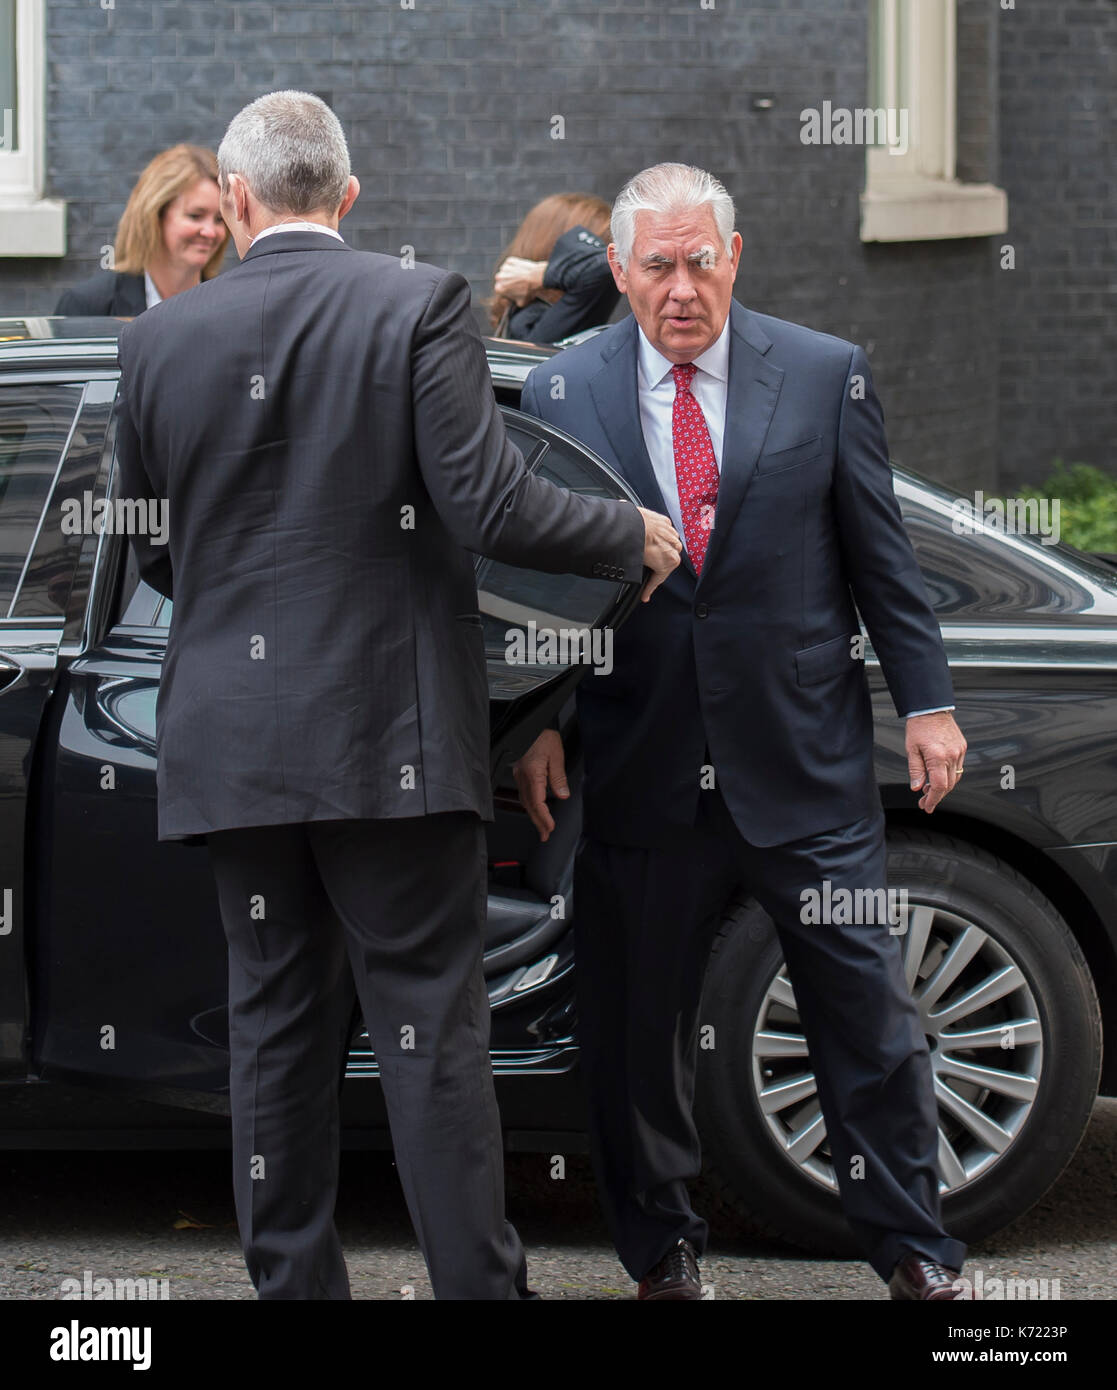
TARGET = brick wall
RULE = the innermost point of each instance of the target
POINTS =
(1057, 311)
(448, 109)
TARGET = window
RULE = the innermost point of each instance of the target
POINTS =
(35, 424)
(911, 193)
(30, 225)
(535, 604)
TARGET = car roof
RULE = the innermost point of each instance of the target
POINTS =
(64, 339)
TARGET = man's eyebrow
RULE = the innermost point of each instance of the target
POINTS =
(703, 256)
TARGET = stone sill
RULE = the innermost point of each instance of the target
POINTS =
(32, 226)
(915, 209)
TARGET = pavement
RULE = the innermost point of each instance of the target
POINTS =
(170, 1216)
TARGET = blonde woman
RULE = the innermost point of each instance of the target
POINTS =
(170, 238)
(554, 278)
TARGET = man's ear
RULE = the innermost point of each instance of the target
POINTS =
(735, 244)
(620, 278)
(238, 191)
(351, 191)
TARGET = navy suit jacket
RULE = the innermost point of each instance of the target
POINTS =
(753, 667)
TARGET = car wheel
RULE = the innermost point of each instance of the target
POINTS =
(1009, 1008)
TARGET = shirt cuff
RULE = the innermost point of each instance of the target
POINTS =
(939, 709)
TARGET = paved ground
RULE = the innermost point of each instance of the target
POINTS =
(116, 1214)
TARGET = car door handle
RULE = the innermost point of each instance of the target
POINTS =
(14, 668)
(10, 672)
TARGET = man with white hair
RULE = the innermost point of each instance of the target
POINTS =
(732, 744)
(322, 424)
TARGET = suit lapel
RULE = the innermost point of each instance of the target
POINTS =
(753, 389)
(614, 395)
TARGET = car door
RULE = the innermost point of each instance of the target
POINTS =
(52, 432)
(130, 984)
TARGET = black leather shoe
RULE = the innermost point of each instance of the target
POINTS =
(675, 1277)
(919, 1277)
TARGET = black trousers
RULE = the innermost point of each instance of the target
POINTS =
(643, 922)
(390, 912)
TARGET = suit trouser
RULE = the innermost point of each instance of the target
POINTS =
(396, 906)
(644, 920)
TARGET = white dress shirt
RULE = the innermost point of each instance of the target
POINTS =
(294, 227)
(656, 391)
(709, 386)
(151, 294)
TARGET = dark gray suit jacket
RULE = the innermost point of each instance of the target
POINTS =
(754, 666)
(323, 425)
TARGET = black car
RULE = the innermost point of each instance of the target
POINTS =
(112, 957)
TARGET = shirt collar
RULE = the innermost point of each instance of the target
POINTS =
(295, 227)
(653, 367)
(151, 294)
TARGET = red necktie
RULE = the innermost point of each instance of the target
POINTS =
(696, 471)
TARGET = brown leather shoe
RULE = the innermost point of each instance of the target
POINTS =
(675, 1277)
(919, 1277)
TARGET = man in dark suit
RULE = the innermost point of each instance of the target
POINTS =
(323, 426)
(732, 742)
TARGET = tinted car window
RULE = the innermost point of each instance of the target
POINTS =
(62, 558)
(981, 574)
(35, 422)
(511, 598)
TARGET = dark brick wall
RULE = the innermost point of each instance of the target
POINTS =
(1057, 311)
(448, 109)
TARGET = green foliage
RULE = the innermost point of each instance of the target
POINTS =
(1087, 505)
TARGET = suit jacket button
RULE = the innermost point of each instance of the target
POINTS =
(700, 610)
(620, 574)
(597, 569)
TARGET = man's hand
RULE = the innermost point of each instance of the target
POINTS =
(519, 279)
(936, 751)
(662, 549)
(543, 763)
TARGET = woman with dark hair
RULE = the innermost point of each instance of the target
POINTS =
(170, 238)
(553, 278)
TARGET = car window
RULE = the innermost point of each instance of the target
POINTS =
(511, 599)
(35, 423)
(981, 574)
(522, 601)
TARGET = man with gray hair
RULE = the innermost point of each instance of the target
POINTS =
(732, 745)
(322, 424)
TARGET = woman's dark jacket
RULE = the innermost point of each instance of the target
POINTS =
(105, 292)
(579, 267)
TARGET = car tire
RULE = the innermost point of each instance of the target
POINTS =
(746, 1167)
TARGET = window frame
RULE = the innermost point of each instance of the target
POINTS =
(916, 196)
(30, 225)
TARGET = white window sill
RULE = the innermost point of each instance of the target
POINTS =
(32, 226)
(910, 208)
